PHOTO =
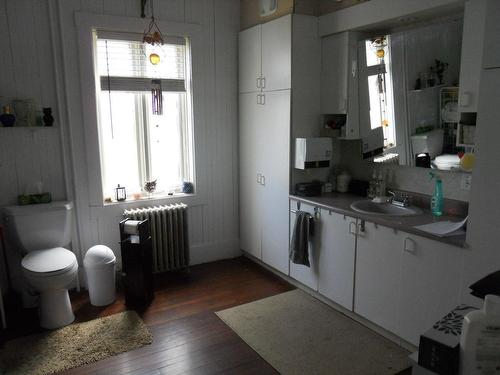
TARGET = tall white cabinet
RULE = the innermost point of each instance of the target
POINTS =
(268, 84)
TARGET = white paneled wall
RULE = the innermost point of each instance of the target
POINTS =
(213, 219)
(40, 60)
(28, 156)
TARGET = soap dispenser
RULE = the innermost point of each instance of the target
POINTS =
(437, 201)
(480, 339)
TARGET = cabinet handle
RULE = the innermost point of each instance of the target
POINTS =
(361, 228)
(259, 178)
(258, 83)
(258, 99)
(354, 68)
(351, 231)
(263, 99)
(410, 245)
(263, 82)
(263, 180)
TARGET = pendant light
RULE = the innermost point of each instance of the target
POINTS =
(152, 36)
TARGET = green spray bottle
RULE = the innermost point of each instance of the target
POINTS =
(437, 201)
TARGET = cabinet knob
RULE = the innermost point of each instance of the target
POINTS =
(410, 245)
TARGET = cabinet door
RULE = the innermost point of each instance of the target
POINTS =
(250, 59)
(250, 189)
(492, 36)
(277, 54)
(334, 73)
(378, 274)
(472, 54)
(337, 257)
(430, 284)
(306, 275)
(274, 160)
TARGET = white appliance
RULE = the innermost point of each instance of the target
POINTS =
(313, 152)
(40, 231)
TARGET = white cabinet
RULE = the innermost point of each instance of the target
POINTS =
(277, 54)
(472, 54)
(491, 59)
(307, 275)
(405, 283)
(265, 56)
(265, 130)
(250, 63)
(339, 79)
(378, 273)
(430, 284)
(337, 257)
(264, 182)
(275, 159)
(251, 139)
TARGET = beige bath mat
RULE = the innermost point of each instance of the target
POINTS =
(74, 345)
(297, 334)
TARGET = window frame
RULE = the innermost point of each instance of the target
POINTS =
(141, 103)
(87, 24)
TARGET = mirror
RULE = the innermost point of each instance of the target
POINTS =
(408, 85)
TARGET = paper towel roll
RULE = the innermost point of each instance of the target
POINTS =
(130, 227)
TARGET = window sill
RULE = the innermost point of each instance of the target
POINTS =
(160, 198)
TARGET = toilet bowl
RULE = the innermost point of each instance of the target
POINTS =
(50, 272)
(39, 232)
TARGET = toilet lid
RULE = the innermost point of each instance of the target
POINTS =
(48, 261)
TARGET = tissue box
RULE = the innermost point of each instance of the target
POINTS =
(439, 347)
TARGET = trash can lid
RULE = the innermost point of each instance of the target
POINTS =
(98, 255)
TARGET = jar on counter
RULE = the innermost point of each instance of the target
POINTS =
(343, 181)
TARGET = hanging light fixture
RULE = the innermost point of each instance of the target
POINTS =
(152, 36)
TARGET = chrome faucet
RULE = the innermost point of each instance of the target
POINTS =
(402, 201)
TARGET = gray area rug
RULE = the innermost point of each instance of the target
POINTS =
(74, 345)
(298, 334)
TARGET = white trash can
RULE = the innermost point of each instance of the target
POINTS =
(100, 265)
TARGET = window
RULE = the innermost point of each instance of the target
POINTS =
(136, 145)
(379, 76)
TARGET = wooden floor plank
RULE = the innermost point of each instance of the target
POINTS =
(188, 337)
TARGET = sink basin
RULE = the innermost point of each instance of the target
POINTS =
(386, 209)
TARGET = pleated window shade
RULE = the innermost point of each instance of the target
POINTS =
(123, 65)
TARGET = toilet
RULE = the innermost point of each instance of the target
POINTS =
(40, 232)
(430, 143)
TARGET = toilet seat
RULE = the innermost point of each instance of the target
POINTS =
(50, 262)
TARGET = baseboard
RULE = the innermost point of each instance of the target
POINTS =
(381, 331)
(212, 251)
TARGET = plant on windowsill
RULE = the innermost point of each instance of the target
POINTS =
(150, 187)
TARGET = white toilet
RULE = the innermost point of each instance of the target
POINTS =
(40, 231)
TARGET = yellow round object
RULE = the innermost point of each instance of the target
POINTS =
(154, 59)
(380, 53)
(467, 162)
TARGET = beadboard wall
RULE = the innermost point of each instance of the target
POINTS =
(40, 60)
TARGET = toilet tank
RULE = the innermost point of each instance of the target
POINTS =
(39, 226)
(430, 142)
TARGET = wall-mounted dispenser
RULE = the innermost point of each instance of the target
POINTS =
(313, 152)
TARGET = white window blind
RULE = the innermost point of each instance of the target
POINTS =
(123, 65)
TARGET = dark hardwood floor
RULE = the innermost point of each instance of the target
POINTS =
(188, 337)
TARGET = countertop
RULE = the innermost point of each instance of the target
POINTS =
(341, 203)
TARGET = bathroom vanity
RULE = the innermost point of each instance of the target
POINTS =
(380, 267)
